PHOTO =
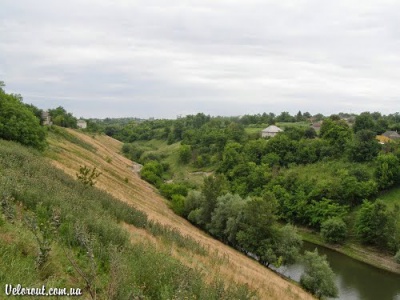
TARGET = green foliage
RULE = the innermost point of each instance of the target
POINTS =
(152, 172)
(364, 121)
(168, 190)
(226, 218)
(87, 175)
(257, 228)
(193, 203)
(318, 277)
(185, 154)
(376, 225)
(397, 257)
(288, 244)
(365, 146)
(62, 134)
(62, 118)
(18, 123)
(213, 187)
(387, 172)
(337, 133)
(82, 224)
(178, 204)
(334, 230)
(320, 211)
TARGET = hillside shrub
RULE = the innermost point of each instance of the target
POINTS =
(178, 204)
(18, 123)
(334, 230)
(168, 190)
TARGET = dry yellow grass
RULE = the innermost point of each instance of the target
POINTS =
(227, 262)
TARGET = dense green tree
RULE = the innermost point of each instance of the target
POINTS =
(285, 117)
(62, 118)
(258, 229)
(152, 172)
(254, 150)
(365, 146)
(213, 187)
(387, 171)
(334, 230)
(288, 244)
(194, 202)
(226, 217)
(300, 117)
(337, 133)
(320, 211)
(310, 133)
(178, 204)
(375, 224)
(18, 122)
(185, 154)
(231, 157)
(381, 125)
(364, 122)
(235, 132)
(36, 111)
(318, 278)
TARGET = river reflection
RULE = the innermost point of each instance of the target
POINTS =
(355, 280)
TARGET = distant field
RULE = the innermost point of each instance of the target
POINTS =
(283, 125)
(251, 130)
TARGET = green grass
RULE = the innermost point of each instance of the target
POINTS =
(178, 172)
(60, 133)
(283, 125)
(391, 197)
(254, 130)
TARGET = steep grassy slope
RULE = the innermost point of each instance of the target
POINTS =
(59, 233)
(119, 179)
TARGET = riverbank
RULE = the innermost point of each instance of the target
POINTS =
(361, 253)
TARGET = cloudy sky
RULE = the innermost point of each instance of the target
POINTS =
(158, 58)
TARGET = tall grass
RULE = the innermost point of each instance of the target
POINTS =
(87, 242)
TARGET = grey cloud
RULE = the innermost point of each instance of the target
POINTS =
(220, 57)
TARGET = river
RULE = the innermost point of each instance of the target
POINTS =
(354, 279)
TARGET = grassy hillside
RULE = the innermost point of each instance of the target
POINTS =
(160, 256)
(391, 197)
(57, 232)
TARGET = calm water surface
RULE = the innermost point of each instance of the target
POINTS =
(355, 280)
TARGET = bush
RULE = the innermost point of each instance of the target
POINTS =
(168, 190)
(87, 176)
(397, 257)
(318, 277)
(18, 123)
(178, 204)
(185, 154)
(334, 230)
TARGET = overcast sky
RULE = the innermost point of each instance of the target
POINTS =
(103, 58)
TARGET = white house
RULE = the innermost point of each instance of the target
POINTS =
(81, 124)
(270, 131)
(46, 118)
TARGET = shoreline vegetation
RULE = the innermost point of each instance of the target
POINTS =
(367, 255)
